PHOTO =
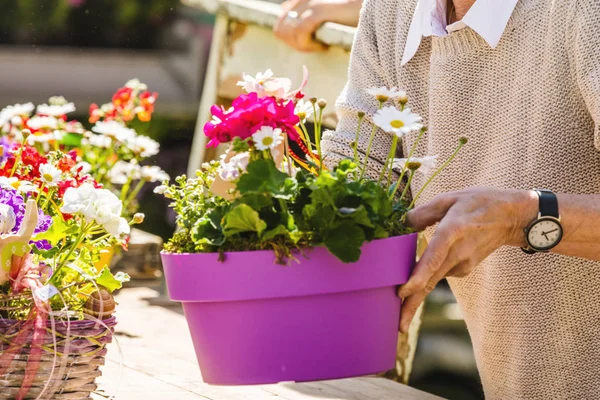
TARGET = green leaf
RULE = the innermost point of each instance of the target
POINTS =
(208, 230)
(263, 177)
(72, 139)
(271, 233)
(358, 215)
(111, 282)
(344, 241)
(57, 231)
(242, 219)
(257, 201)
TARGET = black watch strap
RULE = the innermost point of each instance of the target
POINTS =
(548, 203)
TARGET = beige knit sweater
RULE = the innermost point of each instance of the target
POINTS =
(531, 110)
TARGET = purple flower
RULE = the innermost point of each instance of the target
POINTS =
(12, 198)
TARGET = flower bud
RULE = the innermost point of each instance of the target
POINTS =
(463, 140)
(301, 115)
(353, 145)
(160, 189)
(322, 103)
(313, 100)
(361, 114)
(25, 133)
(402, 98)
(138, 218)
(413, 165)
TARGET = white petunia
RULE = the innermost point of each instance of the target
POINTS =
(304, 109)
(143, 146)
(267, 138)
(115, 130)
(123, 171)
(82, 168)
(55, 110)
(154, 174)
(100, 141)
(99, 205)
(8, 219)
(384, 94)
(392, 120)
(50, 175)
(7, 113)
(230, 171)
(427, 163)
(38, 122)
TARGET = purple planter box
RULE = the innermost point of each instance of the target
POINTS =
(253, 321)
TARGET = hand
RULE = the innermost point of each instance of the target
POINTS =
(473, 223)
(299, 33)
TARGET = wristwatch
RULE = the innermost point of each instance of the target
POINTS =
(544, 232)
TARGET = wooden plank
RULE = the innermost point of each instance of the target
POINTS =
(262, 13)
(159, 363)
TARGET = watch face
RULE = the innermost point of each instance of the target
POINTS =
(544, 234)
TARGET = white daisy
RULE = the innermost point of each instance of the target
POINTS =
(143, 145)
(47, 123)
(267, 138)
(304, 109)
(392, 120)
(384, 94)
(122, 171)
(427, 163)
(7, 113)
(115, 130)
(154, 174)
(55, 110)
(50, 175)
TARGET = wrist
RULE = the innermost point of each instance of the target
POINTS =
(525, 210)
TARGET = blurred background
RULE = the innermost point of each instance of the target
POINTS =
(85, 49)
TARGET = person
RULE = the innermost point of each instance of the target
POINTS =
(300, 19)
(521, 80)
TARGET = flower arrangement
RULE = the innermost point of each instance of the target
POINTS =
(67, 196)
(272, 190)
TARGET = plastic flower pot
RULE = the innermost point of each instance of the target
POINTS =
(253, 321)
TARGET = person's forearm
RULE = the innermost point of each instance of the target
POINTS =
(580, 218)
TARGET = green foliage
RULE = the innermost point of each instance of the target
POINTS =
(111, 282)
(275, 211)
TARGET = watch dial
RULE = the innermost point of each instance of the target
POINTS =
(545, 234)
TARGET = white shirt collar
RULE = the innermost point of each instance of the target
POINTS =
(486, 17)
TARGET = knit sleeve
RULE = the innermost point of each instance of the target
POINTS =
(587, 58)
(366, 71)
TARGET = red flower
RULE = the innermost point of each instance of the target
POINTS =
(122, 97)
(66, 163)
(95, 113)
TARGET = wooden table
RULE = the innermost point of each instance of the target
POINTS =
(159, 364)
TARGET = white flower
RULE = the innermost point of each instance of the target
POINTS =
(99, 205)
(7, 113)
(154, 174)
(392, 120)
(14, 183)
(100, 141)
(289, 168)
(267, 138)
(264, 84)
(427, 163)
(143, 145)
(114, 129)
(124, 171)
(384, 94)
(38, 122)
(27, 187)
(304, 109)
(82, 168)
(135, 84)
(40, 138)
(8, 219)
(50, 174)
(230, 171)
(55, 110)
(160, 189)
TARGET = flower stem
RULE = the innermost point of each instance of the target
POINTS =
(412, 150)
(135, 192)
(405, 191)
(72, 249)
(436, 173)
(360, 121)
(390, 158)
(364, 169)
(308, 140)
(37, 200)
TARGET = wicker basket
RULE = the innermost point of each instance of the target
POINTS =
(87, 351)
